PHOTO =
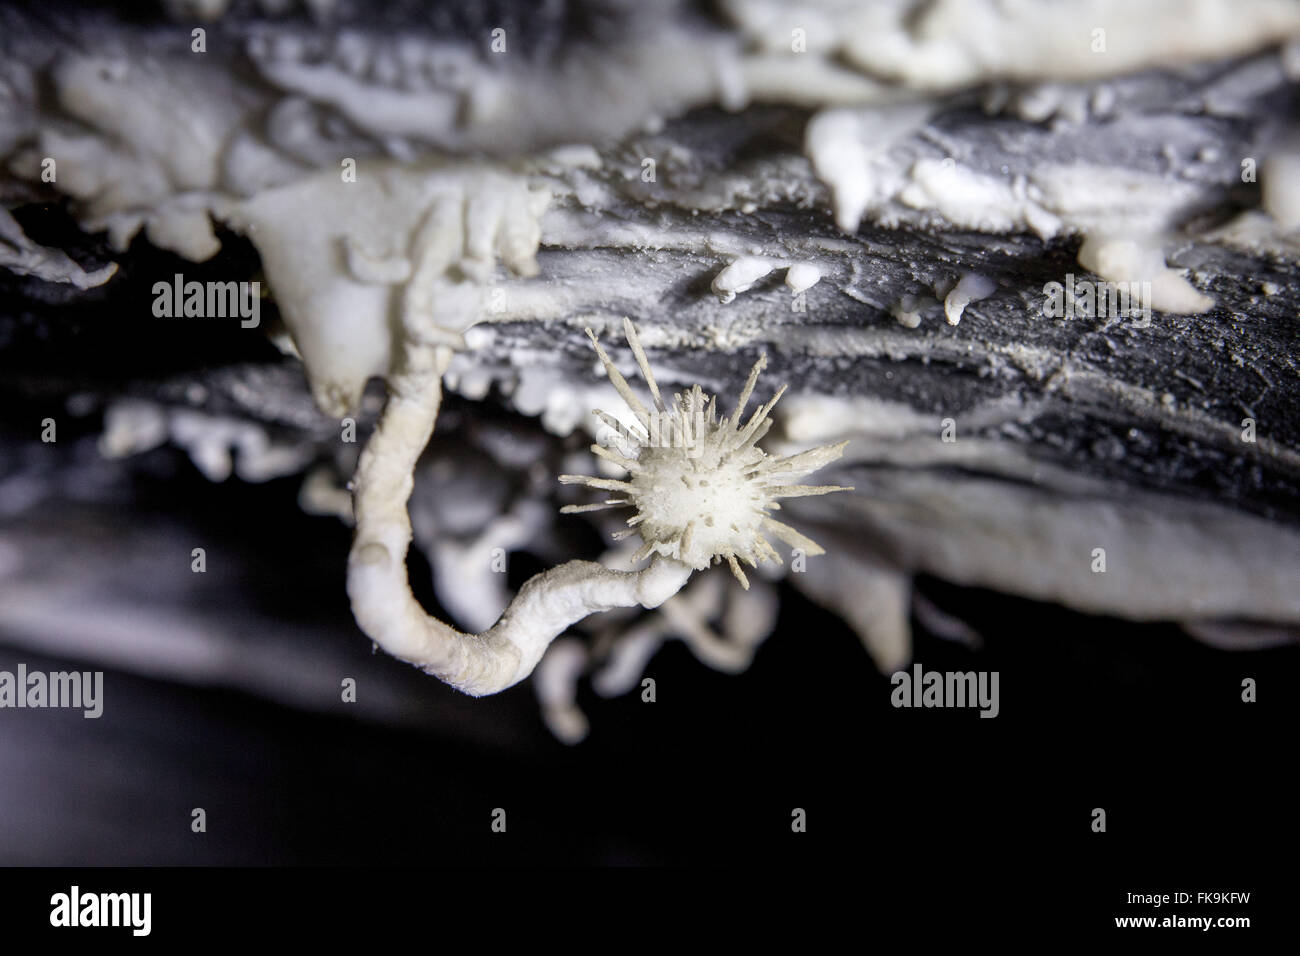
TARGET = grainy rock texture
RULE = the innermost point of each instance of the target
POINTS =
(885, 220)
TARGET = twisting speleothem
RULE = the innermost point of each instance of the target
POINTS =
(702, 495)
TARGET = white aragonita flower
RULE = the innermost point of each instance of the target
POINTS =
(701, 487)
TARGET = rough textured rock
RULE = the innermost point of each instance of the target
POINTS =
(822, 222)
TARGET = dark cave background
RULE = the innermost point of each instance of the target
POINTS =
(1095, 712)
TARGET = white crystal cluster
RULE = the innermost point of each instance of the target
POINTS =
(702, 489)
